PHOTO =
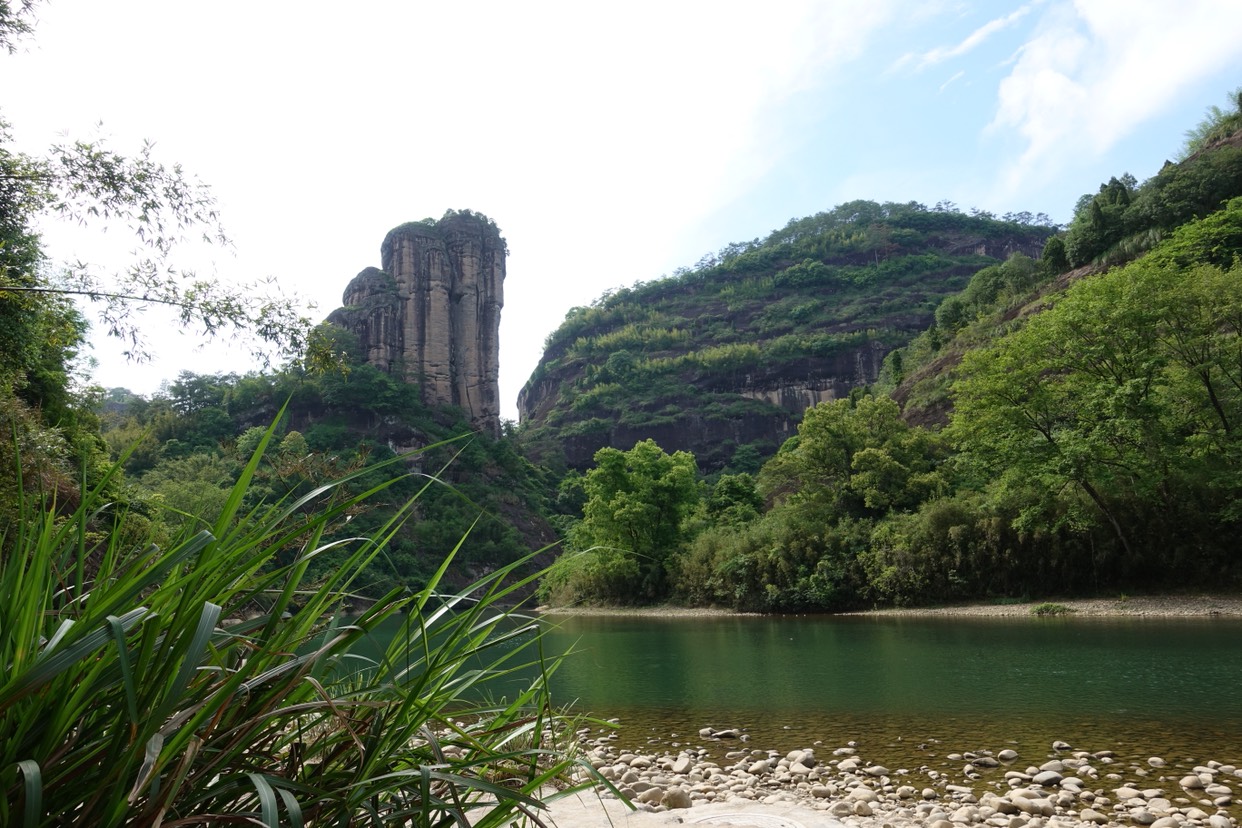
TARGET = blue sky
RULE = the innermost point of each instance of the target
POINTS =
(611, 143)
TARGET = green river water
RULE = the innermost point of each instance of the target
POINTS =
(910, 691)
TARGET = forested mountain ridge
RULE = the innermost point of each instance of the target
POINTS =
(723, 358)
(1067, 425)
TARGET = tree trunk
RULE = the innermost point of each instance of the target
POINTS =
(1099, 501)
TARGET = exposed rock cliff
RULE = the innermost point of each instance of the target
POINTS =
(432, 314)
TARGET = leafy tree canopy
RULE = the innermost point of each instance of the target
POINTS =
(14, 22)
(88, 182)
(1128, 389)
(633, 522)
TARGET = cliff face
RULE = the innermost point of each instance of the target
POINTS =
(432, 314)
(723, 360)
(711, 416)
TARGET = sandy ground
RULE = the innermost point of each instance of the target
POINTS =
(1162, 606)
(586, 810)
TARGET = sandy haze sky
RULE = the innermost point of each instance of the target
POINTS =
(610, 142)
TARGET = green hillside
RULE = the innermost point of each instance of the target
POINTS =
(1117, 224)
(721, 359)
(187, 445)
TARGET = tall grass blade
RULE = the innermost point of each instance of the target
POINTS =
(233, 503)
(32, 778)
(52, 643)
(53, 666)
(179, 777)
(267, 800)
(146, 773)
(193, 657)
(127, 671)
(292, 808)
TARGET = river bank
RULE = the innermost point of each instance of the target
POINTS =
(823, 787)
(1123, 606)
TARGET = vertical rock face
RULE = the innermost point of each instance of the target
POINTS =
(372, 312)
(432, 315)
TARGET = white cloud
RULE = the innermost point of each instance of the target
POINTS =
(968, 44)
(958, 75)
(1096, 69)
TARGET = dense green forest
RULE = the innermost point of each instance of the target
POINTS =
(1066, 425)
(186, 444)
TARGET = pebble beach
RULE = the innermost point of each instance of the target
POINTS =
(1002, 789)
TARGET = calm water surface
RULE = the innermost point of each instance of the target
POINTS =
(910, 690)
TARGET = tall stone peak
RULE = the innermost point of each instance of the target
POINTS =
(431, 313)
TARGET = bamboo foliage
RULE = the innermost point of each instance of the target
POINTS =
(205, 683)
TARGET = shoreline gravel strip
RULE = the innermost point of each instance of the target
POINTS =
(1161, 606)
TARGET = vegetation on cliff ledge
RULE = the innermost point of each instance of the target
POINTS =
(702, 359)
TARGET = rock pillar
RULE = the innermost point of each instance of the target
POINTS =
(432, 315)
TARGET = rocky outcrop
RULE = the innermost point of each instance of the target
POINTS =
(372, 312)
(432, 314)
(781, 393)
(710, 420)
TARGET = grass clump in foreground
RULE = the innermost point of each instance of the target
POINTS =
(134, 693)
(1051, 608)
